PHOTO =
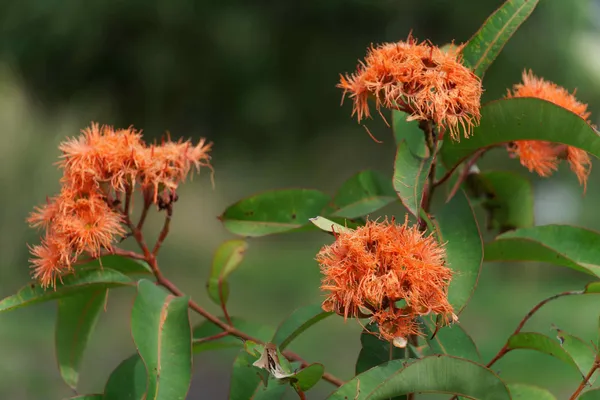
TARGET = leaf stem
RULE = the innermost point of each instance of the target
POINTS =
(210, 338)
(228, 329)
(505, 349)
(464, 174)
(586, 379)
(164, 231)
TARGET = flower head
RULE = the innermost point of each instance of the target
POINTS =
(542, 156)
(375, 266)
(421, 79)
(101, 168)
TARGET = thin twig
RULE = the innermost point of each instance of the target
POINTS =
(165, 229)
(147, 205)
(587, 378)
(464, 174)
(229, 329)
(128, 196)
(210, 338)
(505, 349)
(127, 253)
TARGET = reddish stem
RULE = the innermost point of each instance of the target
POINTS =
(210, 338)
(464, 174)
(165, 230)
(586, 379)
(227, 328)
(505, 349)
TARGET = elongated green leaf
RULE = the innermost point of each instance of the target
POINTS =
(328, 225)
(274, 211)
(160, 327)
(508, 199)
(433, 374)
(452, 340)
(364, 193)
(300, 320)
(75, 321)
(457, 227)
(127, 381)
(245, 378)
(591, 288)
(274, 391)
(562, 245)
(520, 391)
(207, 329)
(582, 353)
(542, 343)
(593, 394)
(88, 397)
(308, 377)
(410, 176)
(83, 280)
(410, 132)
(227, 258)
(507, 120)
(483, 48)
(122, 264)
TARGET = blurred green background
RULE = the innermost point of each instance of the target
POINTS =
(258, 79)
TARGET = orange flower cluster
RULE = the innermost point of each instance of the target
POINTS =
(421, 79)
(541, 156)
(100, 167)
(368, 270)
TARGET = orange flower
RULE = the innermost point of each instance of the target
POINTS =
(541, 156)
(166, 166)
(88, 224)
(43, 216)
(102, 155)
(51, 259)
(373, 267)
(100, 170)
(420, 79)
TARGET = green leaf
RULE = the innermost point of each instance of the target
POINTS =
(364, 193)
(124, 265)
(452, 340)
(127, 381)
(508, 199)
(410, 176)
(88, 397)
(274, 211)
(593, 394)
(582, 353)
(410, 132)
(433, 374)
(483, 48)
(520, 391)
(562, 245)
(457, 227)
(75, 321)
(300, 320)
(207, 329)
(308, 377)
(227, 258)
(274, 391)
(83, 279)
(542, 343)
(160, 327)
(375, 351)
(328, 225)
(507, 120)
(246, 378)
(591, 288)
